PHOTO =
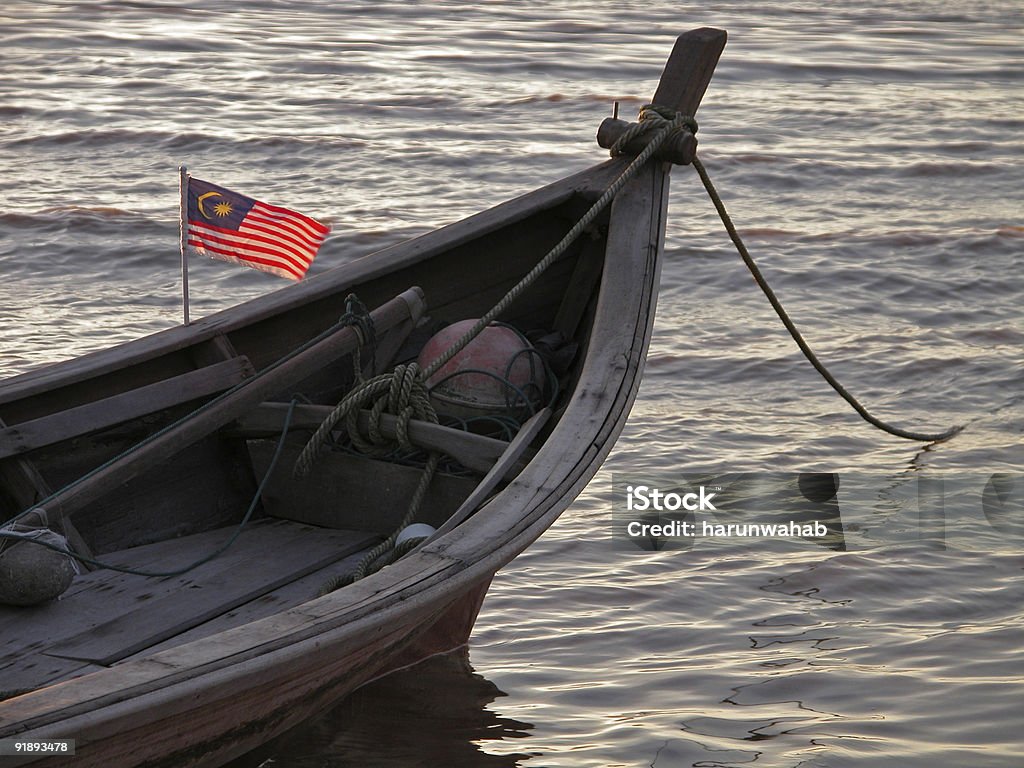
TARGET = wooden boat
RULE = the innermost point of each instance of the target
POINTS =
(148, 454)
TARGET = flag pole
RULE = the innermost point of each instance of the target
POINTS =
(183, 188)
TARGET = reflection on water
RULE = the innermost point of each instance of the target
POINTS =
(433, 714)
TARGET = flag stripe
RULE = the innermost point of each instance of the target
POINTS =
(302, 240)
(308, 229)
(245, 253)
(312, 223)
(245, 248)
(276, 265)
(249, 245)
(283, 229)
(245, 234)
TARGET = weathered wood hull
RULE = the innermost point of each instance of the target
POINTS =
(234, 710)
(207, 700)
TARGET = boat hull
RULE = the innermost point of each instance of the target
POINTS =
(203, 702)
(210, 700)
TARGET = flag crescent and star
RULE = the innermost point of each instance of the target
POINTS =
(227, 225)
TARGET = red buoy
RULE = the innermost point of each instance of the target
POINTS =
(487, 375)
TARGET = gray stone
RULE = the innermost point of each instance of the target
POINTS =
(31, 574)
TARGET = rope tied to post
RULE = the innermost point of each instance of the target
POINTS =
(653, 118)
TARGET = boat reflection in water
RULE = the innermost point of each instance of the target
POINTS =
(435, 713)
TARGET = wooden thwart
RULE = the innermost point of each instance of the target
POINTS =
(473, 451)
(75, 422)
(37, 670)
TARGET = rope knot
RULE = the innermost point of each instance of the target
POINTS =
(357, 316)
(654, 118)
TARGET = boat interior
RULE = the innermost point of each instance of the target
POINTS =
(60, 423)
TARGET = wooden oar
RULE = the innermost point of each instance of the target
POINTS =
(226, 409)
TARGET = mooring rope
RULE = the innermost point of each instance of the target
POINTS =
(652, 117)
(926, 437)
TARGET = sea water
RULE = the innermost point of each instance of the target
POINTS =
(870, 156)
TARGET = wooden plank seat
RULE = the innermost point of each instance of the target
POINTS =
(476, 452)
(110, 411)
(107, 616)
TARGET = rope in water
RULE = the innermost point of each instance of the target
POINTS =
(651, 118)
(926, 437)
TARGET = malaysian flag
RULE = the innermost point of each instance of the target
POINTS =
(226, 225)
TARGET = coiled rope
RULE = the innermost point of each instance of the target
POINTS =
(652, 118)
